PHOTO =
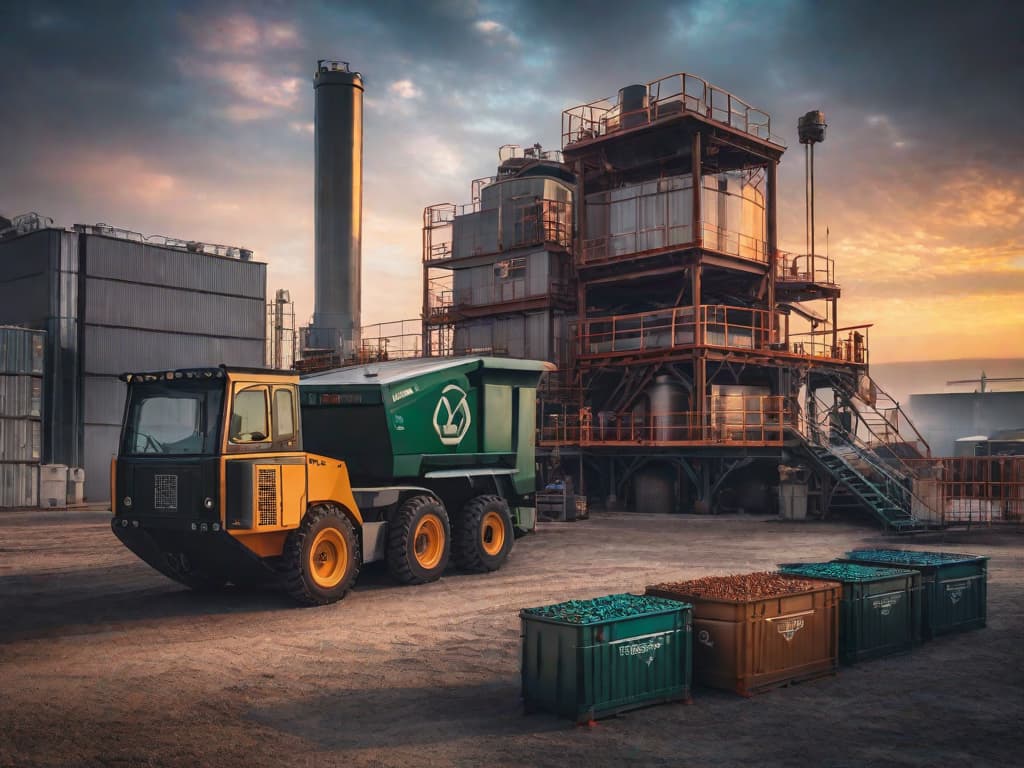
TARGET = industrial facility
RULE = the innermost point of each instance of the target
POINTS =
(700, 367)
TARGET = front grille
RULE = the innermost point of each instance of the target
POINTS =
(266, 496)
(165, 491)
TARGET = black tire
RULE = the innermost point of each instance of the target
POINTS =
(321, 558)
(485, 534)
(415, 554)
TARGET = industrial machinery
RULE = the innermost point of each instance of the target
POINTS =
(251, 476)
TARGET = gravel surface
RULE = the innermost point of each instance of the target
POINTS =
(103, 662)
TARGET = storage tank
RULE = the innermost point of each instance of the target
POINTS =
(668, 405)
(338, 207)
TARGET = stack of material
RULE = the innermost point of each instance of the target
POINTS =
(756, 631)
(21, 392)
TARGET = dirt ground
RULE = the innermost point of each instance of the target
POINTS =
(103, 662)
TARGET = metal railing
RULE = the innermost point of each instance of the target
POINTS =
(851, 348)
(760, 424)
(969, 490)
(713, 238)
(666, 97)
(805, 268)
(535, 221)
(706, 325)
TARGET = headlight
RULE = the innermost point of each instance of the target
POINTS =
(208, 502)
(127, 501)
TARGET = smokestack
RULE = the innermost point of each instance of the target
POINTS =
(339, 207)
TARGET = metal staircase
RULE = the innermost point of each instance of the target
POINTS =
(878, 492)
(869, 474)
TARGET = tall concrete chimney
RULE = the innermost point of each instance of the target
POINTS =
(339, 207)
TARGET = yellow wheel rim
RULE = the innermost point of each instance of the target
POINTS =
(492, 533)
(328, 558)
(428, 542)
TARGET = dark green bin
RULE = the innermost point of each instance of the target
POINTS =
(880, 609)
(586, 659)
(954, 586)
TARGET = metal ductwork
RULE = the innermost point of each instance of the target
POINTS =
(339, 208)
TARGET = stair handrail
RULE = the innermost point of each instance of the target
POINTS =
(905, 484)
(838, 386)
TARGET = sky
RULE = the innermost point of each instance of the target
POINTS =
(194, 120)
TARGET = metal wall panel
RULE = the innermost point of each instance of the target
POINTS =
(103, 398)
(112, 351)
(139, 263)
(100, 446)
(20, 396)
(22, 350)
(19, 440)
(530, 336)
(19, 486)
(474, 233)
(152, 307)
(25, 264)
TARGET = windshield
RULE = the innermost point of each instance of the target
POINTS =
(173, 419)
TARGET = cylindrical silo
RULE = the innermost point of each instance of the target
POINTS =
(669, 403)
(339, 207)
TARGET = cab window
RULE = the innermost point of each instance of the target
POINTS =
(249, 416)
(284, 415)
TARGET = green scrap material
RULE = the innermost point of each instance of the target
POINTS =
(602, 609)
(844, 572)
(906, 557)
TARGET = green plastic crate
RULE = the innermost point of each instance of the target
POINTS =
(954, 586)
(880, 608)
(586, 659)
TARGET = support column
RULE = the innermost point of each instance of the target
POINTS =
(698, 186)
(771, 231)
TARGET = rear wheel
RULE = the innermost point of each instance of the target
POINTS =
(485, 534)
(321, 558)
(419, 541)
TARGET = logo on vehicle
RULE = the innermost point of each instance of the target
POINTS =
(789, 627)
(955, 592)
(704, 638)
(885, 604)
(451, 415)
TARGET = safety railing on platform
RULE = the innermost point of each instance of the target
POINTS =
(666, 97)
(708, 324)
(848, 345)
(751, 421)
(976, 490)
(805, 268)
(673, 238)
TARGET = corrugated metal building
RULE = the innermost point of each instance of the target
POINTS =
(113, 302)
(21, 389)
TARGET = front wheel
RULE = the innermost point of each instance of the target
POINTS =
(485, 534)
(419, 541)
(321, 558)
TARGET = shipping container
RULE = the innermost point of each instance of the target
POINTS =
(19, 440)
(19, 486)
(880, 611)
(594, 658)
(20, 396)
(752, 644)
(954, 586)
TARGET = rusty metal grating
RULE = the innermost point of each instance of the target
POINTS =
(266, 496)
(165, 492)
